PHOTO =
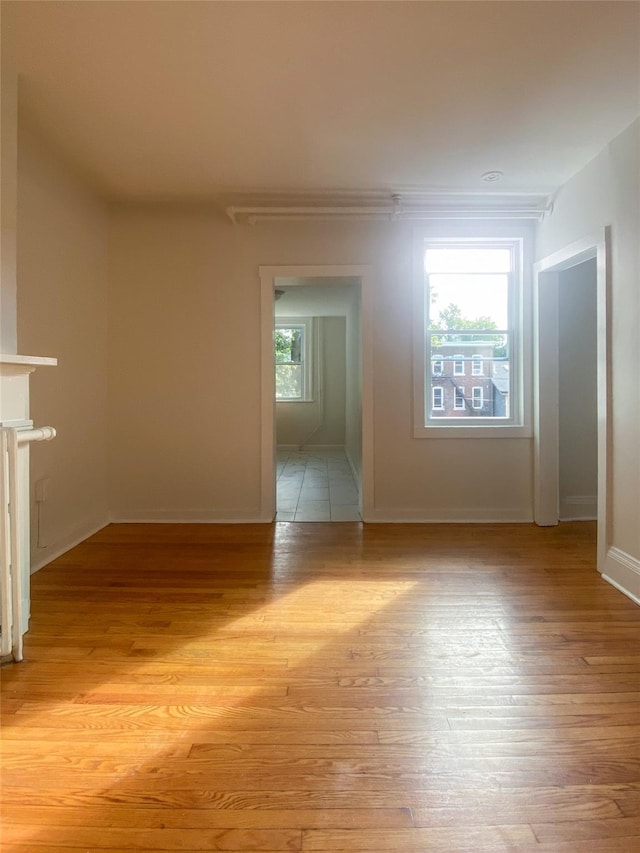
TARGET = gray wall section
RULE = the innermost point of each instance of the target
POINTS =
(353, 437)
(578, 392)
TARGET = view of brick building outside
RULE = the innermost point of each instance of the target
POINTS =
(468, 381)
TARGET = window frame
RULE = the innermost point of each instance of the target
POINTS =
(459, 398)
(477, 365)
(307, 324)
(519, 325)
(474, 397)
(435, 388)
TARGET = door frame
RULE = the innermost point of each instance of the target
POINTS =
(268, 277)
(546, 281)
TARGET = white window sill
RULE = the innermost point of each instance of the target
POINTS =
(494, 431)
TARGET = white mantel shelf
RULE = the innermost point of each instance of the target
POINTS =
(14, 387)
(28, 360)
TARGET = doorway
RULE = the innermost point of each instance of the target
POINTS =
(549, 276)
(316, 393)
(317, 353)
(577, 393)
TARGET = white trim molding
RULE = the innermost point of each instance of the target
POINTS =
(578, 508)
(393, 207)
(357, 478)
(448, 516)
(189, 516)
(622, 571)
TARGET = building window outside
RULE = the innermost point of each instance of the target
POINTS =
(471, 299)
(438, 397)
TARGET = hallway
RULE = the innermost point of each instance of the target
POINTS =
(316, 485)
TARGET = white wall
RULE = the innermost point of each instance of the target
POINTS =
(607, 192)
(578, 413)
(8, 199)
(62, 312)
(185, 372)
(320, 421)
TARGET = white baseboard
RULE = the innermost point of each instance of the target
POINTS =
(41, 557)
(461, 516)
(579, 508)
(623, 571)
(194, 516)
(354, 470)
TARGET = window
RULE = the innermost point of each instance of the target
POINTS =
(292, 341)
(289, 343)
(438, 397)
(470, 310)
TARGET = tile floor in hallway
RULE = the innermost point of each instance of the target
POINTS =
(316, 485)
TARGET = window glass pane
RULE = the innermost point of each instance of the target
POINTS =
(467, 260)
(289, 357)
(289, 344)
(467, 393)
(468, 301)
(289, 381)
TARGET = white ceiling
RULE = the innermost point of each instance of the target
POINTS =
(316, 297)
(157, 100)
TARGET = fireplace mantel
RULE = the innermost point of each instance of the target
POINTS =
(16, 432)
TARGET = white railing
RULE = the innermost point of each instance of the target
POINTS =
(14, 562)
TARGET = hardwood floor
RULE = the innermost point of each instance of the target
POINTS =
(325, 687)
